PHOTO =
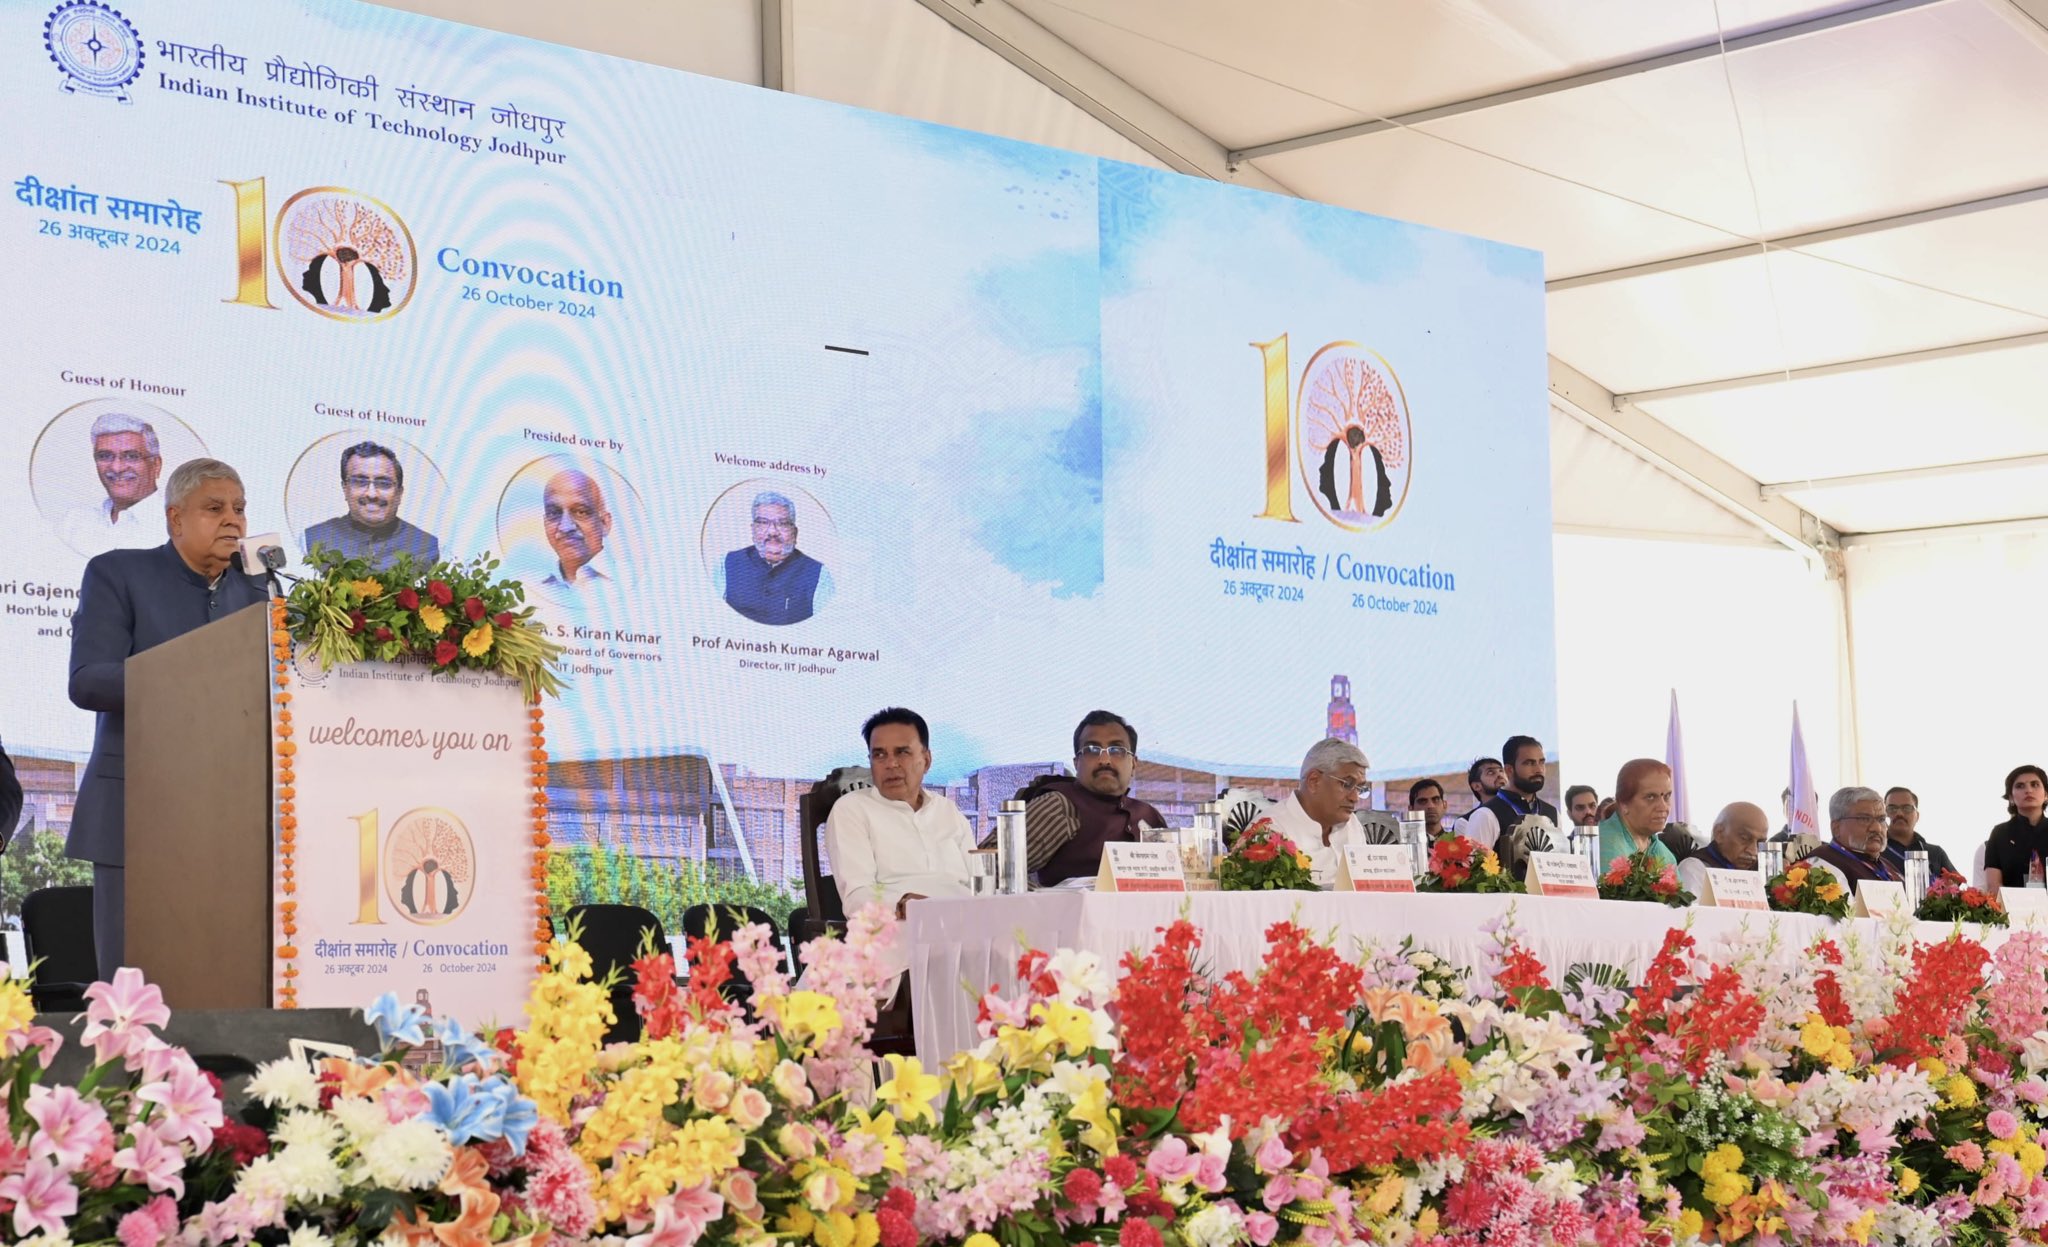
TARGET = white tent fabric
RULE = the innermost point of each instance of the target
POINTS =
(1796, 292)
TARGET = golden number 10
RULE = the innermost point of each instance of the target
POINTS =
(252, 288)
(1279, 445)
(366, 870)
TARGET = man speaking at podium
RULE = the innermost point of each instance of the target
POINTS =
(130, 601)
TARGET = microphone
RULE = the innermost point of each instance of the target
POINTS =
(264, 556)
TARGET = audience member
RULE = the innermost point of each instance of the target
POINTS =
(1738, 830)
(1069, 819)
(1582, 805)
(1494, 824)
(1856, 854)
(1902, 836)
(1426, 797)
(1642, 805)
(2018, 846)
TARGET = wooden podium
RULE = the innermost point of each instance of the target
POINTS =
(199, 851)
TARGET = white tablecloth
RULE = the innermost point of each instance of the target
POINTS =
(959, 948)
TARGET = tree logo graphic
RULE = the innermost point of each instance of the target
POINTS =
(343, 255)
(430, 866)
(1354, 443)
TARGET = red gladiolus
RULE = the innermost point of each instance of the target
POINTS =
(474, 608)
(504, 619)
(445, 652)
(440, 592)
(409, 599)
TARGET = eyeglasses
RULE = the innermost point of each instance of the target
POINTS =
(1861, 818)
(775, 524)
(1352, 786)
(1093, 750)
(127, 458)
(385, 483)
(1896, 810)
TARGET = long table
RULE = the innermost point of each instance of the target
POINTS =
(960, 948)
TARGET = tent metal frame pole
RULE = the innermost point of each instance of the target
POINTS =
(1778, 489)
(1792, 242)
(1955, 350)
(1627, 69)
(778, 44)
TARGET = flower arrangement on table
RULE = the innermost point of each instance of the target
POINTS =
(1950, 898)
(1458, 864)
(1263, 859)
(1804, 888)
(455, 616)
(1640, 877)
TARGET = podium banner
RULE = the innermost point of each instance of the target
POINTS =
(412, 852)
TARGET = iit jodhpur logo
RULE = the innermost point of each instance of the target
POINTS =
(339, 253)
(98, 50)
(1348, 435)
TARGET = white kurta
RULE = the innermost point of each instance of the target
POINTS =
(1307, 834)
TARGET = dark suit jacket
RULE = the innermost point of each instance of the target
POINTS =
(131, 600)
(10, 798)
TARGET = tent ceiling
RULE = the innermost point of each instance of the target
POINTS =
(1856, 114)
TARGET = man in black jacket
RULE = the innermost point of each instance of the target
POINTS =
(10, 798)
(1902, 816)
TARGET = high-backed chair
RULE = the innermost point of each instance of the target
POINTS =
(613, 936)
(822, 909)
(56, 924)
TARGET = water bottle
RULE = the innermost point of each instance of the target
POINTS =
(1770, 859)
(1916, 876)
(1209, 822)
(1013, 869)
(1415, 834)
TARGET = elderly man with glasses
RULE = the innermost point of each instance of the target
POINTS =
(1856, 854)
(1902, 835)
(1319, 814)
(1068, 818)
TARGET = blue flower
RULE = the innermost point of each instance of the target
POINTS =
(395, 1023)
(513, 1115)
(455, 1107)
(462, 1048)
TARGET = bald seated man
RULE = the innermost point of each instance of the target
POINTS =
(1738, 829)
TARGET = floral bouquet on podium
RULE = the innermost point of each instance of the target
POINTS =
(1458, 864)
(1951, 899)
(1802, 888)
(454, 615)
(1264, 860)
(1639, 877)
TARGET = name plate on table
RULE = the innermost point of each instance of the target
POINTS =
(1141, 868)
(1735, 889)
(1561, 874)
(1377, 868)
(2026, 907)
(1877, 899)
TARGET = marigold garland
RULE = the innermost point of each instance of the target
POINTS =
(543, 928)
(287, 806)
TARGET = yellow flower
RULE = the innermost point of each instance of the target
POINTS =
(1093, 1111)
(1816, 1036)
(804, 1016)
(973, 1076)
(1909, 1179)
(2032, 1159)
(1425, 1227)
(1860, 1228)
(1959, 1091)
(1490, 863)
(1829, 891)
(367, 589)
(570, 959)
(1933, 1068)
(1302, 860)
(435, 619)
(882, 1126)
(478, 641)
(980, 1240)
(17, 1012)
(1690, 1223)
(799, 1222)
(866, 1230)
(1386, 1196)
(909, 1090)
(1070, 1025)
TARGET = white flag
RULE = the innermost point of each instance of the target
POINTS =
(1674, 757)
(1805, 801)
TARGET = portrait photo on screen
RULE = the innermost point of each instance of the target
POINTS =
(568, 527)
(370, 496)
(771, 549)
(97, 472)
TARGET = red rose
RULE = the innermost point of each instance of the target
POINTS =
(357, 621)
(474, 608)
(504, 619)
(409, 599)
(440, 592)
(383, 633)
(1263, 851)
(445, 651)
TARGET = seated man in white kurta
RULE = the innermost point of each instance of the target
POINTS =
(1317, 815)
(897, 842)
